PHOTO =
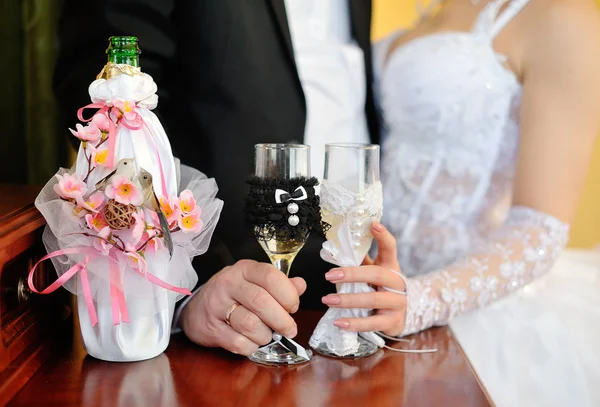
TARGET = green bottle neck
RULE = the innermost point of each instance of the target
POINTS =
(125, 60)
(123, 50)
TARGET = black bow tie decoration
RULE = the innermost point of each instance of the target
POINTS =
(282, 196)
(274, 212)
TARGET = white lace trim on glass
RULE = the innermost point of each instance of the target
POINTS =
(348, 241)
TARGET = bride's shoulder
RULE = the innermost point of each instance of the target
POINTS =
(568, 20)
(382, 46)
(562, 32)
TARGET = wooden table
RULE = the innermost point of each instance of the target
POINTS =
(187, 375)
(28, 323)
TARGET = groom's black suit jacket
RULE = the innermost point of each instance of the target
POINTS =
(227, 80)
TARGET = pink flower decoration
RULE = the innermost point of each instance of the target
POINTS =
(102, 123)
(126, 111)
(79, 211)
(99, 156)
(190, 223)
(187, 203)
(149, 234)
(170, 209)
(70, 186)
(150, 231)
(96, 222)
(124, 106)
(94, 202)
(101, 244)
(124, 191)
(88, 133)
(154, 245)
(135, 260)
(139, 227)
(154, 221)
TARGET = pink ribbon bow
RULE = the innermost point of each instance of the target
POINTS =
(118, 303)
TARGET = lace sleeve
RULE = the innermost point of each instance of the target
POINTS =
(524, 248)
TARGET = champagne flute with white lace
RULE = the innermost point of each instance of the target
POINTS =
(283, 209)
(351, 200)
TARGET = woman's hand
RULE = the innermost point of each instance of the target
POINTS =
(389, 306)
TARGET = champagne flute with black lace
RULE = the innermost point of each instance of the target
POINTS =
(351, 200)
(283, 210)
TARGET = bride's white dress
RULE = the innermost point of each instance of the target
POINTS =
(451, 114)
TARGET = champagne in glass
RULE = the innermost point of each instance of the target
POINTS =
(351, 200)
(282, 253)
(280, 163)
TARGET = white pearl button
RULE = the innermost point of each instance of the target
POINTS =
(293, 220)
(292, 208)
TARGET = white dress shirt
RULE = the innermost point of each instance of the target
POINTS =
(332, 73)
(331, 68)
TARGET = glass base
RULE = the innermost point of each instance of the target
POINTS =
(365, 349)
(276, 355)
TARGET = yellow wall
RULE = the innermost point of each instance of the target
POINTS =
(392, 14)
(389, 15)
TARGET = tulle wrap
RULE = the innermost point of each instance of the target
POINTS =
(149, 144)
(126, 303)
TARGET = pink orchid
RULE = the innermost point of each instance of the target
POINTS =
(101, 244)
(170, 208)
(126, 110)
(124, 106)
(124, 191)
(88, 133)
(102, 122)
(150, 231)
(187, 203)
(154, 245)
(139, 227)
(135, 260)
(190, 223)
(96, 222)
(149, 238)
(79, 211)
(94, 203)
(70, 186)
(99, 156)
(153, 221)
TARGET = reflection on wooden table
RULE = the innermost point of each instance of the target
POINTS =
(189, 375)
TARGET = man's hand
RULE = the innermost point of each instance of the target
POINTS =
(266, 296)
(390, 306)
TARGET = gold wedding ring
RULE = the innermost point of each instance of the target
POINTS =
(229, 312)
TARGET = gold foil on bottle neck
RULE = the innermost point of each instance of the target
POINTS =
(111, 70)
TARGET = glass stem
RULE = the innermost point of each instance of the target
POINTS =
(283, 265)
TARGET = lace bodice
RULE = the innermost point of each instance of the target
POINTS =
(451, 112)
